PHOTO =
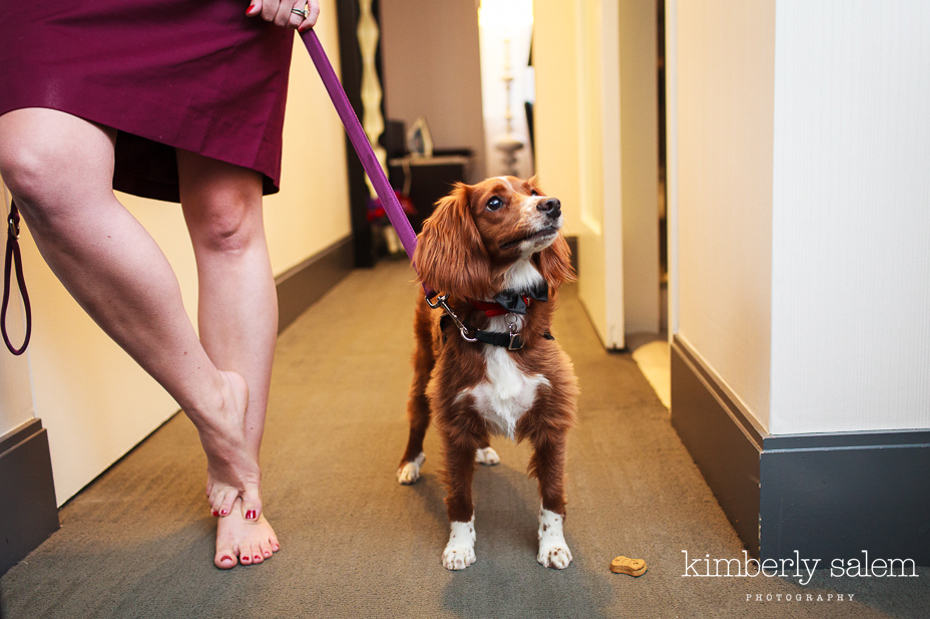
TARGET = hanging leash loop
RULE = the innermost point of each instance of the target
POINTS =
(14, 260)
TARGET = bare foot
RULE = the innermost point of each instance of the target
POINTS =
(232, 470)
(241, 541)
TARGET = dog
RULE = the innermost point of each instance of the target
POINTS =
(496, 252)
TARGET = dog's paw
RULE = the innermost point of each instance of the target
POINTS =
(557, 555)
(487, 456)
(553, 550)
(410, 472)
(459, 553)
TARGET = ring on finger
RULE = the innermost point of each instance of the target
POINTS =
(302, 12)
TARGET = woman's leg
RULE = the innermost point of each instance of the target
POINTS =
(60, 170)
(237, 309)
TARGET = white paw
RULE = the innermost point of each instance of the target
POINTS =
(460, 551)
(553, 550)
(487, 456)
(556, 555)
(410, 471)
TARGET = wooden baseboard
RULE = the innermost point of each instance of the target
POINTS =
(302, 285)
(30, 514)
(827, 496)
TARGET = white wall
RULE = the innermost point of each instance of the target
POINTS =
(639, 131)
(558, 106)
(596, 149)
(505, 28)
(94, 400)
(724, 53)
(801, 207)
(16, 405)
(851, 265)
(429, 53)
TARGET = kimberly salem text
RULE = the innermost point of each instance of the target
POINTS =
(797, 567)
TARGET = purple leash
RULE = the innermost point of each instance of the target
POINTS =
(360, 142)
(373, 168)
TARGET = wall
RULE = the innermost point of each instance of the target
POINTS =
(94, 401)
(724, 53)
(505, 30)
(558, 104)
(16, 405)
(851, 205)
(801, 197)
(639, 173)
(429, 54)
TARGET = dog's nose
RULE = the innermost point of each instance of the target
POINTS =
(551, 206)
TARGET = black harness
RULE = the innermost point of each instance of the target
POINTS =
(507, 302)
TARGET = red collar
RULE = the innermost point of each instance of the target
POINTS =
(491, 308)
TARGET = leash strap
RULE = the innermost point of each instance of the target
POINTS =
(14, 259)
(360, 142)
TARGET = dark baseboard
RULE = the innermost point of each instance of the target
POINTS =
(825, 496)
(30, 513)
(831, 496)
(302, 285)
(721, 438)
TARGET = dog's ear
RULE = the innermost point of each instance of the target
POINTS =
(555, 263)
(450, 256)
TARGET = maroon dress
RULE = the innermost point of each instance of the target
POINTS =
(191, 74)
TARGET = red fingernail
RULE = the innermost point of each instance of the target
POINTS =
(250, 515)
(249, 10)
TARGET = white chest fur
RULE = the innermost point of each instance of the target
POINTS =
(506, 393)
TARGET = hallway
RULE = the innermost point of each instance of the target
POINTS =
(138, 541)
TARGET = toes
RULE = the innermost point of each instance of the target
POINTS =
(265, 549)
(408, 474)
(225, 558)
(410, 471)
(487, 456)
(458, 558)
(251, 503)
(558, 557)
(223, 501)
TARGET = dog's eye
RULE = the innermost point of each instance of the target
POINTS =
(494, 204)
(533, 192)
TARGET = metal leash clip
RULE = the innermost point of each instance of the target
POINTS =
(441, 302)
(13, 224)
(516, 342)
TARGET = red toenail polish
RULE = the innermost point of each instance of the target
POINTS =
(226, 558)
(216, 513)
(250, 515)
(223, 512)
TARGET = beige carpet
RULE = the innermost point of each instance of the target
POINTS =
(138, 542)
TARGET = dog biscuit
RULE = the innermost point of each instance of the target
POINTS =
(626, 565)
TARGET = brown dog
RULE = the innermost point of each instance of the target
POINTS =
(496, 251)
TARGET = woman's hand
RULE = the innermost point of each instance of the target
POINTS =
(286, 12)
